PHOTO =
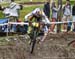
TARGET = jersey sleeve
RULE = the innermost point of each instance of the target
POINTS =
(46, 20)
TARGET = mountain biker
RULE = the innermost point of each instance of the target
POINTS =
(39, 15)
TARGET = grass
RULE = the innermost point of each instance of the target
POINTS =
(26, 10)
(30, 0)
(1, 15)
(23, 12)
(72, 2)
(22, 1)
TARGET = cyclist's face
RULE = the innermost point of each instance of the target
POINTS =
(38, 13)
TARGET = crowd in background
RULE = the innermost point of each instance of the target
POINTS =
(68, 14)
(51, 11)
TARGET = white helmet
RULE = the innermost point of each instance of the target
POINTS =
(37, 10)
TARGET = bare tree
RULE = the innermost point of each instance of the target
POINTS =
(59, 16)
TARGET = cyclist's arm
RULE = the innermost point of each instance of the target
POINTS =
(45, 18)
(28, 16)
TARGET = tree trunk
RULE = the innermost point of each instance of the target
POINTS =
(59, 16)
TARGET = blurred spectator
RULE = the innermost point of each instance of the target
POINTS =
(54, 14)
(21, 6)
(67, 16)
(12, 0)
(67, 0)
(6, 11)
(14, 11)
(21, 27)
(47, 8)
(1, 1)
(73, 14)
(1, 7)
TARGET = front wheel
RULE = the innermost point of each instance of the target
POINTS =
(33, 42)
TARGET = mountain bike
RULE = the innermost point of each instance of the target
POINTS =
(34, 34)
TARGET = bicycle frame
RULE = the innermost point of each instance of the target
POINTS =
(33, 40)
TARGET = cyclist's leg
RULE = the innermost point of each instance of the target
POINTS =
(45, 33)
(29, 32)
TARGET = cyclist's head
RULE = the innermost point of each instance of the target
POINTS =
(38, 11)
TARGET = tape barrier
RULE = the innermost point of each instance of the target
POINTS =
(23, 23)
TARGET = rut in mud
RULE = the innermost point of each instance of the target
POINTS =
(54, 47)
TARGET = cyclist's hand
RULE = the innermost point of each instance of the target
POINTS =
(30, 23)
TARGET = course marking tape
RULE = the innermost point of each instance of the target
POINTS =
(22, 23)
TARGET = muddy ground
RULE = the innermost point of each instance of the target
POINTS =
(54, 47)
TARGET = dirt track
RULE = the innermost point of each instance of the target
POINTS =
(54, 47)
